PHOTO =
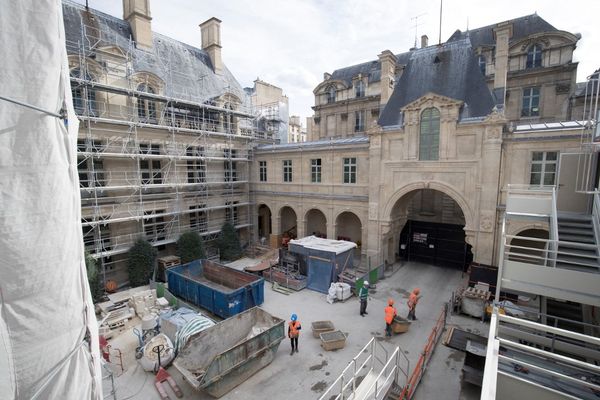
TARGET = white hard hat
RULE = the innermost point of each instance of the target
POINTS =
(366, 283)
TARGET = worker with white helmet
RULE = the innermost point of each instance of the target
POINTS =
(363, 295)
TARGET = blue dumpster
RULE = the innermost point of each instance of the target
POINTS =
(222, 290)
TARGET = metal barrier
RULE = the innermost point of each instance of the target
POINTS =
(413, 381)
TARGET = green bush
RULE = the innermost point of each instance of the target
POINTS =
(229, 243)
(189, 247)
(141, 263)
(93, 277)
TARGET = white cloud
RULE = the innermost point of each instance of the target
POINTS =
(290, 43)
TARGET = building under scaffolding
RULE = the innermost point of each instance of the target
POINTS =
(166, 135)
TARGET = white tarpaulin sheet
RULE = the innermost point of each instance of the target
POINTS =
(317, 243)
(45, 305)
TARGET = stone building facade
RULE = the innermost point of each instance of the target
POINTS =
(415, 151)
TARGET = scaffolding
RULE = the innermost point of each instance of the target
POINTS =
(157, 158)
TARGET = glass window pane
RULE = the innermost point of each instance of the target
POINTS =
(535, 179)
(549, 179)
(536, 167)
(551, 167)
(537, 156)
(552, 155)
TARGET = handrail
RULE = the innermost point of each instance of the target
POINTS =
(553, 229)
(596, 218)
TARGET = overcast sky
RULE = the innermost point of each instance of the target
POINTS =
(291, 43)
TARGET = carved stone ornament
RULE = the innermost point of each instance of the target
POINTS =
(373, 211)
(486, 223)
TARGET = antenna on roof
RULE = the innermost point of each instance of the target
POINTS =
(440, 39)
(416, 25)
(467, 24)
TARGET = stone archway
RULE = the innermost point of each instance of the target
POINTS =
(427, 225)
(289, 221)
(316, 223)
(265, 225)
(348, 227)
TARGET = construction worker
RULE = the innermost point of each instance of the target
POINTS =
(363, 295)
(390, 313)
(293, 333)
(413, 299)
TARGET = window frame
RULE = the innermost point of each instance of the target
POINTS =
(359, 120)
(534, 56)
(359, 89)
(349, 170)
(83, 105)
(262, 171)
(482, 63)
(151, 173)
(199, 218)
(231, 212)
(530, 98)
(331, 94)
(429, 134)
(230, 166)
(155, 225)
(287, 171)
(316, 170)
(147, 111)
(196, 169)
(544, 162)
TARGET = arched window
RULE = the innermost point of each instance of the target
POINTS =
(429, 134)
(481, 62)
(534, 56)
(84, 97)
(331, 94)
(230, 121)
(146, 108)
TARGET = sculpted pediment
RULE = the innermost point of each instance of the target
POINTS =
(432, 100)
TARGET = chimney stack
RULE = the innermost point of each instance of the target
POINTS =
(137, 13)
(211, 42)
(424, 41)
(388, 71)
(502, 32)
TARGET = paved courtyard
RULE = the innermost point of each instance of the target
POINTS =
(312, 370)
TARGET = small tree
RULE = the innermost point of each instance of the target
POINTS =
(229, 243)
(141, 263)
(93, 277)
(189, 247)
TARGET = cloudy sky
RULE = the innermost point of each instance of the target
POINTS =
(291, 43)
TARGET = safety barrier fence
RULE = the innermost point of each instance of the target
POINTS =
(417, 374)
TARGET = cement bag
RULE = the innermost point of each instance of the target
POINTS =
(149, 360)
(332, 293)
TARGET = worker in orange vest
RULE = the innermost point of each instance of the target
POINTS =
(413, 299)
(390, 313)
(293, 332)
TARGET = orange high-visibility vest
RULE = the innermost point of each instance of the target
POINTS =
(390, 313)
(412, 301)
(294, 329)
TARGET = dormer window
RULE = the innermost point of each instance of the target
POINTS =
(146, 108)
(359, 89)
(481, 62)
(534, 56)
(331, 95)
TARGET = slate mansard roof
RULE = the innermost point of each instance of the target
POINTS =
(521, 28)
(186, 70)
(370, 69)
(449, 70)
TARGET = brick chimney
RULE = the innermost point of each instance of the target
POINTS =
(388, 69)
(424, 41)
(502, 32)
(211, 42)
(137, 13)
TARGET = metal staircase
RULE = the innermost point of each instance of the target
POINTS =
(577, 246)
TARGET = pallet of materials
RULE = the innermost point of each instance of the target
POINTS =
(474, 301)
(296, 281)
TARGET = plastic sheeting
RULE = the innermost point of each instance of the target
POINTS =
(46, 309)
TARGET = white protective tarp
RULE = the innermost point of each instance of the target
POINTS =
(330, 245)
(45, 304)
